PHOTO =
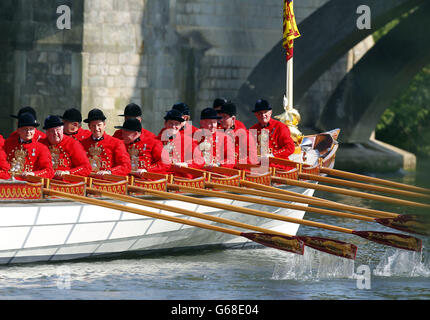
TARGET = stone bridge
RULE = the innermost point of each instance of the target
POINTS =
(158, 52)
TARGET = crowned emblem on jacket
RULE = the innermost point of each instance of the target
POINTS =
(263, 143)
(134, 157)
(95, 160)
(170, 148)
(55, 156)
(205, 147)
(18, 161)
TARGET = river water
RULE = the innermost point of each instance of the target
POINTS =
(378, 273)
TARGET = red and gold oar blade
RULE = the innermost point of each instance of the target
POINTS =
(408, 223)
(285, 243)
(335, 247)
(397, 240)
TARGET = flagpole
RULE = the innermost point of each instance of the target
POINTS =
(291, 117)
(289, 83)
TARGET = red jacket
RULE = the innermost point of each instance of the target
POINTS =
(145, 133)
(107, 154)
(30, 157)
(181, 149)
(4, 165)
(80, 135)
(69, 155)
(245, 148)
(217, 149)
(280, 143)
(145, 153)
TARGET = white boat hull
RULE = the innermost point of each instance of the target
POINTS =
(56, 230)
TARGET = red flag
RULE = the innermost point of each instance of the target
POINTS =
(290, 28)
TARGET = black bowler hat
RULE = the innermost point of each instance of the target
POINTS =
(182, 108)
(229, 108)
(131, 125)
(132, 110)
(72, 115)
(174, 115)
(95, 114)
(27, 119)
(26, 109)
(218, 102)
(209, 113)
(261, 104)
(52, 122)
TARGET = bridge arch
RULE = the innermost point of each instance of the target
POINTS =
(322, 43)
(386, 69)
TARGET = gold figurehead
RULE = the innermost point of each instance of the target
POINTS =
(291, 117)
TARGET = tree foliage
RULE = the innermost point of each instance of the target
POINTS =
(406, 121)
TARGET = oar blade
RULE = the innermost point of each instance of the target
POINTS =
(408, 223)
(396, 240)
(285, 243)
(331, 246)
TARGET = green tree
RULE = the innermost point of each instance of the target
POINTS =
(406, 122)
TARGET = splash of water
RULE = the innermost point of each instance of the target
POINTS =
(313, 265)
(402, 263)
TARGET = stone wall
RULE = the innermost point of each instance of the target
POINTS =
(151, 52)
(8, 10)
(112, 66)
(158, 52)
(43, 62)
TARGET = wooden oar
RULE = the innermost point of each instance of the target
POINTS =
(335, 247)
(283, 194)
(290, 244)
(359, 185)
(347, 192)
(354, 176)
(391, 239)
(406, 223)
(314, 200)
(409, 223)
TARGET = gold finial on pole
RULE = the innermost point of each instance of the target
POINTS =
(291, 117)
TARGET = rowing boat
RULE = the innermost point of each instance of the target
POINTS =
(37, 227)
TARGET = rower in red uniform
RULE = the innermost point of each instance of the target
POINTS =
(244, 143)
(68, 155)
(26, 156)
(217, 104)
(186, 125)
(72, 119)
(273, 137)
(38, 134)
(107, 154)
(145, 151)
(179, 149)
(4, 165)
(133, 111)
(216, 147)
